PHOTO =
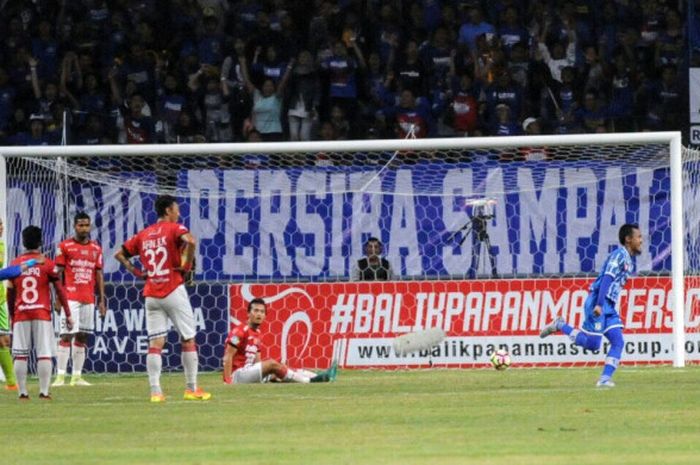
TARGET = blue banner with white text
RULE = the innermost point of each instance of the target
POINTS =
(311, 224)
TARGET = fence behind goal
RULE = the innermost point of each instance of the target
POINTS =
(488, 238)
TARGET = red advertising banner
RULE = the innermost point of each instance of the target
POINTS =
(308, 325)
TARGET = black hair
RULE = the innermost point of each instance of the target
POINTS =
(626, 231)
(257, 301)
(31, 237)
(373, 239)
(81, 216)
(163, 202)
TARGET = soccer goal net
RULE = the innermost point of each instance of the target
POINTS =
(486, 238)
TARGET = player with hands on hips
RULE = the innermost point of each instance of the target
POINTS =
(166, 251)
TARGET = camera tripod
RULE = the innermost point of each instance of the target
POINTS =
(476, 227)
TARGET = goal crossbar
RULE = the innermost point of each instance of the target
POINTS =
(342, 146)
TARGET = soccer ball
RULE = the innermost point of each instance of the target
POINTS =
(500, 359)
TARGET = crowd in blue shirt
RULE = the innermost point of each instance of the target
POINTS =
(174, 71)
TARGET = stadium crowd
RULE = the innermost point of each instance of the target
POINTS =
(167, 71)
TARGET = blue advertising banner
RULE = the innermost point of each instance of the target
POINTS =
(310, 224)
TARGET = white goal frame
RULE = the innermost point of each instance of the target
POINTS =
(672, 139)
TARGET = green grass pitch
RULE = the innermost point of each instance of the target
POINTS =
(520, 416)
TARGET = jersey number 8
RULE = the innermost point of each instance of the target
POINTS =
(30, 291)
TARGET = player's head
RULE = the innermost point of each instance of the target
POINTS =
(167, 208)
(31, 237)
(81, 225)
(373, 247)
(631, 237)
(257, 308)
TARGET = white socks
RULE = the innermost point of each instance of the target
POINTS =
(21, 374)
(44, 366)
(154, 365)
(62, 356)
(295, 377)
(190, 362)
(78, 358)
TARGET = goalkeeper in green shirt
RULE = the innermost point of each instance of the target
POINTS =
(5, 356)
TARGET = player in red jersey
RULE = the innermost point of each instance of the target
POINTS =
(80, 259)
(29, 302)
(242, 363)
(166, 251)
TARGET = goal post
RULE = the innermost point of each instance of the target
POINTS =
(289, 220)
(677, 249)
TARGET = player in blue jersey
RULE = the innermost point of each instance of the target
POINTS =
(600, 308)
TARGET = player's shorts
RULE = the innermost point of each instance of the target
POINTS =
(175, 307)
(83, 318)
(5, 328)
(249, 374)
(37, 334)
(607, 320)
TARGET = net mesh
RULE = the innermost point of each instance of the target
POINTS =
(489, 244)
(691, 219)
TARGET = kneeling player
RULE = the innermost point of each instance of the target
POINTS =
(242, 363)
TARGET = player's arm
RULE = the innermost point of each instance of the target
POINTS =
(229, 353)
(60, 271)
(101, 301)
(60, 262)
(610, 272)
(11, 293)
(187, 254)
(13, 271)
(123, 256)
(605, 283)
(63, 298)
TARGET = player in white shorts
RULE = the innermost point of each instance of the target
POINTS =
(29, 302)
(174, 307)
(80, 260)
(166, 250)
(242, 363)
